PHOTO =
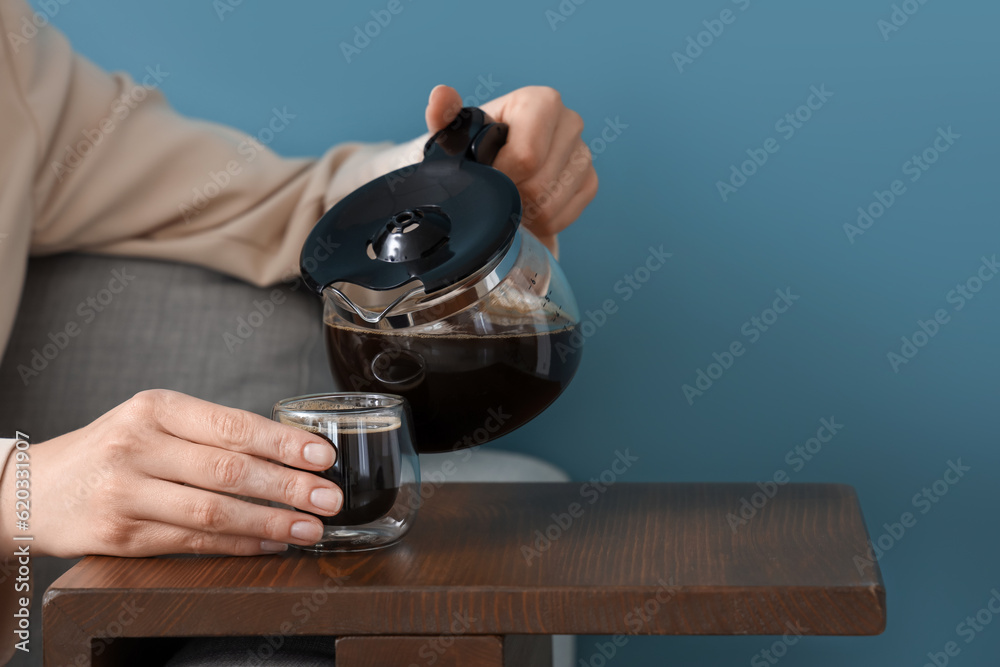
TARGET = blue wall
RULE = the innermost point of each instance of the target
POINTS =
(826, 357)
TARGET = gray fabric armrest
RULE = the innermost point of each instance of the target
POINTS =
(92, 331)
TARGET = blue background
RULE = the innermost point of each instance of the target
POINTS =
(826, 357)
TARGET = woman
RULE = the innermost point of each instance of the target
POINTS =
(96, 161)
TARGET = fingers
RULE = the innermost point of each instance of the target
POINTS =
(443, 105)
(532, 124)
(546, 158)
(565, 213)
(153, 538)
(218, 469)
(544, 155)
(199, 421)
(215, 514)
(552, 243)
(566, 169)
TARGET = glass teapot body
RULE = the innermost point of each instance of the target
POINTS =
(475, 362)
(433, 291)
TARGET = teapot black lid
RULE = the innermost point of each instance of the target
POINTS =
(438, 221)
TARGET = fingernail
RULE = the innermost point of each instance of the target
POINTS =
(306, 530)
(326, 499)
(271, 545)
(318, 454)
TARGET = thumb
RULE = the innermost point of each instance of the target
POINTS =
(442, 107)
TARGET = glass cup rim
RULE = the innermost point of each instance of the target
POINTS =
(391, 401)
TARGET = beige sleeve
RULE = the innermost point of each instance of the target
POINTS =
(119, 172)
(7, 446)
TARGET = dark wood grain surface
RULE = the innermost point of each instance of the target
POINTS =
(640, 559)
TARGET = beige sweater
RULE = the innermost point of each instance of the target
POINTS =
(98, 162)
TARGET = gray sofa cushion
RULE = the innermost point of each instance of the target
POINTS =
(92, 331)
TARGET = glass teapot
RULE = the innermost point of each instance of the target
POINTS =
(432, 290)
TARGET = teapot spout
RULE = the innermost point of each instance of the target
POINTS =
(372, 317)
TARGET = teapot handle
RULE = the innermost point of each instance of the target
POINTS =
(473, 136)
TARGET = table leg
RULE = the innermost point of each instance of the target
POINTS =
(65, 643)
(445, 651)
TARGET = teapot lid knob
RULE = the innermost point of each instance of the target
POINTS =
(411, 234)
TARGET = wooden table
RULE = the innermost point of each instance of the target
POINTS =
(490, 570)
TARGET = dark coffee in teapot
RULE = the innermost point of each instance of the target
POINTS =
(463, 389)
